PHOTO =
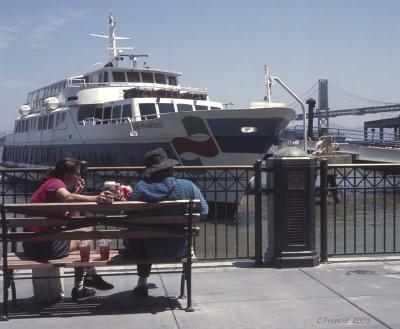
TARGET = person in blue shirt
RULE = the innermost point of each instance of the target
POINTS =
(159, 184)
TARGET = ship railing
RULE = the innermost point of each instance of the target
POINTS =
(368, 137)
(78, 83)
(96, 121)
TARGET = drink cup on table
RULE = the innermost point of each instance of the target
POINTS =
(110, 186)
(84, 250)
(105, 249)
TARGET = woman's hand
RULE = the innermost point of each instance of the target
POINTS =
(105, 197)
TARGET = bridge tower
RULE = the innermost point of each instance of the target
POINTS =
(322, 111)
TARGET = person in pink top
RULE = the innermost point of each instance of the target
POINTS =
(64, 184)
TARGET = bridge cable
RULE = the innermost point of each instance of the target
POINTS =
(355, 96)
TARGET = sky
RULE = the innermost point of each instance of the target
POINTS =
(219, 45)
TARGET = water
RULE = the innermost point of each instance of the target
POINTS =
(365, 221)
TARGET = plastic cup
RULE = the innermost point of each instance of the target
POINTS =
(110, 186)
(84, 250)
(105, 249)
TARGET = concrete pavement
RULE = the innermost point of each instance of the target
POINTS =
(342, 294)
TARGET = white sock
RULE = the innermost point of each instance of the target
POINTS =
(142, 281)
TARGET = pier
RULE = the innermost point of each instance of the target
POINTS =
(360, 241)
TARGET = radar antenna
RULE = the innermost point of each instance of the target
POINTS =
(113, 50)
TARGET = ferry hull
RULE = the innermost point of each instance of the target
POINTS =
(205, 138)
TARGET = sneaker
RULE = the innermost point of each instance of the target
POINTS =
(97, 282)
(141, 291)
(82, 293)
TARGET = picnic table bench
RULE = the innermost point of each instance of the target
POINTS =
(117, 220)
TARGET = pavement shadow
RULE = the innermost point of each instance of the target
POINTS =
(244, 264)
(115, 304)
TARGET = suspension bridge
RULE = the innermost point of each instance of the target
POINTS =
(364, 144)
(320, 90)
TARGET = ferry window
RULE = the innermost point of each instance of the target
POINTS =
(35, 95)
(185, 108)
(105, 77)
(127, 111)
(133, 76)
(98, 114)
(58, 119)
(160, 78)
(147, 77)
(172, 80)
(29, 97)
(45, 119)
(166, 108)
(101, 77)
(63, 117)
(116, 112)
(147, 111)
(41, 93)
(51, 121)
(215, 108)
(201, 108)
(107, 113)
(118, 76)
(40, 127)
(85, 112)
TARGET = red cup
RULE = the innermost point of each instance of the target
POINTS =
(84, 250)
(105, 249)
(104, 252)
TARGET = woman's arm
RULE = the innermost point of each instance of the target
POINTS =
(65, 196)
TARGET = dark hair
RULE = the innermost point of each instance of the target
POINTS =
(64, 166)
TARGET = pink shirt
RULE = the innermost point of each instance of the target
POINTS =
(46, 193)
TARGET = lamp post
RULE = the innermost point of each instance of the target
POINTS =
(303, 108)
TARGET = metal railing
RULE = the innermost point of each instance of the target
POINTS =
(233, 229)
(359, 209)
(341, 135)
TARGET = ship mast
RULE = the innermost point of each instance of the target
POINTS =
(113, 49)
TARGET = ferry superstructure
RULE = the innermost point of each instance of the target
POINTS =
(113, 115)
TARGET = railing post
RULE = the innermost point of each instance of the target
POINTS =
(6, 273)
(257, 213)
(188, 270)
(324, 209)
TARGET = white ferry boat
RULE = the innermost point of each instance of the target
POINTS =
(113, 115)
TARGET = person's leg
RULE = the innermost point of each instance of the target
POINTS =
(333, 185)
(91, 278)
(135, 250)
(79, 290)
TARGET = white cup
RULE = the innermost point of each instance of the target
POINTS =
(110, 185)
